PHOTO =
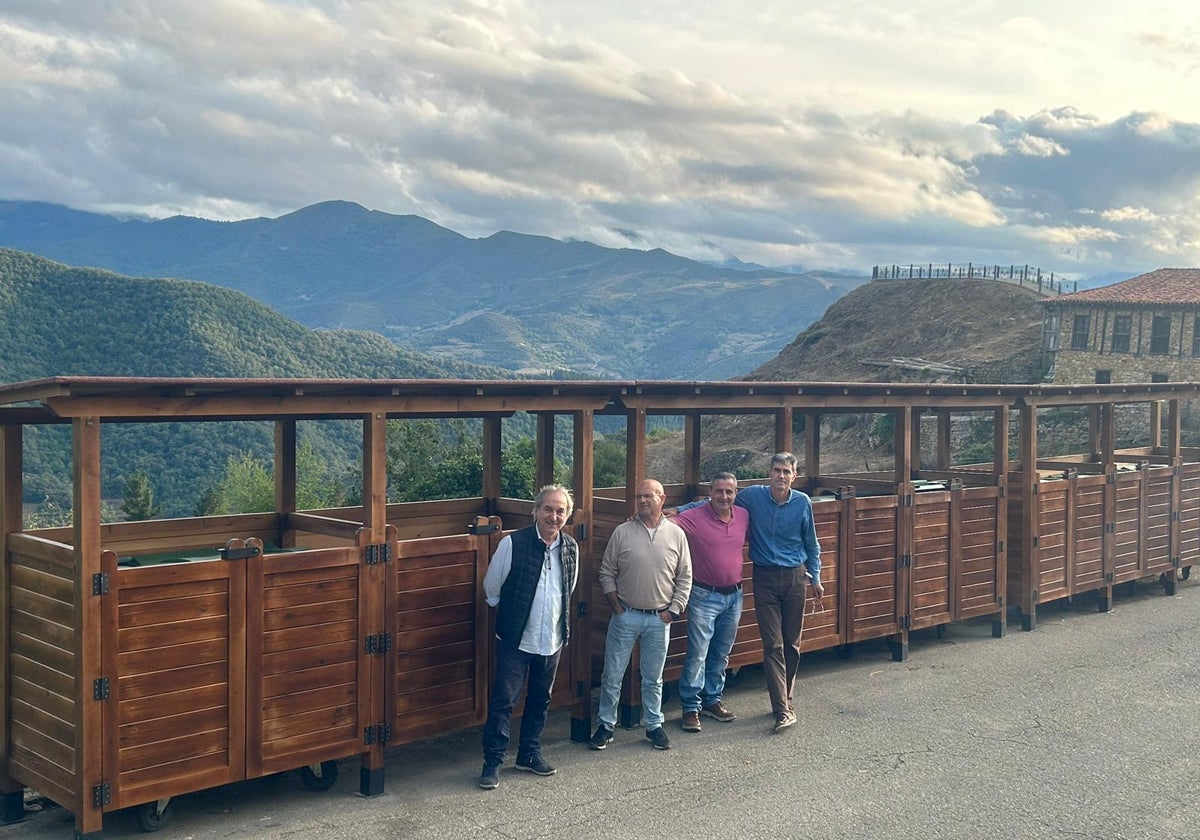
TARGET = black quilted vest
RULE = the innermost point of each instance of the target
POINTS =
(516, 595)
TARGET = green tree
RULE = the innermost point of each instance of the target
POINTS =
(139, 498)
(609, 465)
(247, 486)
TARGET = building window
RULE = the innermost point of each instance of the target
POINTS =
(1196, 337)
(1160, 335)
(1050, 329)
(1122, 329)
(1079, 332)
(1158, 377)
(1103, 377)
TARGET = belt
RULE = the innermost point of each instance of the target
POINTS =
(723, 590)
(639, 609)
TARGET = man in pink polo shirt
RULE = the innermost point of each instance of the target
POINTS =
(716, 533)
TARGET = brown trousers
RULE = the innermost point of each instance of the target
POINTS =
(779, 598)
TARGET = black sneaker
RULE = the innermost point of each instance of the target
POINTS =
(658, 737)
(535, 764)
(489, 779)
(602, 738)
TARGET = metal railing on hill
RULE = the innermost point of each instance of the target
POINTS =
(1022, 275)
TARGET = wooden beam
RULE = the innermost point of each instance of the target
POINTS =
(944, 448)
(492, 464)
(11, 521)
(544, 449)
(88, 722)
(903, 448)
(1174, 428)
(916, 439)
(812, 444)
(374, 487)
(583, 477)
(783, 430)
(184, 408)
(285, 477)
(1030, 518)
(635, 453)
(1000, 444)
(691, 453)
(1156, 424)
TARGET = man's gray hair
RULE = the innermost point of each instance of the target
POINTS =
(784, 458)
(723, 476)
(554, 488)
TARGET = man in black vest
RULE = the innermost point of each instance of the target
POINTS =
(530, 581)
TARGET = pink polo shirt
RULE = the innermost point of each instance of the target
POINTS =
(716, 546)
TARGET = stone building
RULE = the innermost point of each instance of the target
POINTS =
(1145, 329)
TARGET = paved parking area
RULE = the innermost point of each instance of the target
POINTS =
(1084, 728)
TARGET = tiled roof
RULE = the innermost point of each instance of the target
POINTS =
(1161, 286)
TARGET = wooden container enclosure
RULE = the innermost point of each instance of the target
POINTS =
(292, 638)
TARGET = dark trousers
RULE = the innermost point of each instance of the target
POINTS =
(779, 597)
(515, 667)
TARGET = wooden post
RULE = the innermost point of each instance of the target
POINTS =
(812, 445)
(12, 794)
(1094, 432)
(1000, 468)
(583, 477)
(916, 442)
(943, 457)
(544, 448)
(783, 431)
(88, 722)
(492, 467)
(629, 708)
(285, 479)
(1106, 438)
(691, 454)
(1156, 426)
(905, 549)
(1174, 451)
(375, 580)
(1030, 515)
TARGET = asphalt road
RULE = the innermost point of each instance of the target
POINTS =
(1084, 728)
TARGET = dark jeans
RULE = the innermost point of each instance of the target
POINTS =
(779, 597)
(513, 667)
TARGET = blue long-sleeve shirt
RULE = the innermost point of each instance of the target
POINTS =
(780, 534)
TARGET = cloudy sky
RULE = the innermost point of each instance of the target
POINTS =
(823, 134)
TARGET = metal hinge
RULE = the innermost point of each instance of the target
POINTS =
(377, 643)
(1000, 547)
(244, 553)
(376, 554)
(1111, 478)
(581, 531)
(1003, 494)
(378, 734)
(905, 561)
(906, 500)
(101, 795)
(100, 689)
(480, 528)
(100, 583)
(581, 609)
(1110, 527)
(1175, 517)
(1108, 578)
(1035, 542)
(905, 622)
(1175, 562)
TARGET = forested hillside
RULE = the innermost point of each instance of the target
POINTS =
(58, 320)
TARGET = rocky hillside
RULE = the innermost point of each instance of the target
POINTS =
(937, 330)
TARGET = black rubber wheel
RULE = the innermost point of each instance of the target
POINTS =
(941, 631)
(323, 778)
(149, 818)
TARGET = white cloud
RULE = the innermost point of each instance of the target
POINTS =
(828, 135)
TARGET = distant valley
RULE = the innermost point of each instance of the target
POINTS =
(511, 301)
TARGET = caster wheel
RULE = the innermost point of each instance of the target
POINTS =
(154, 815)
(319, 777)
(941, 631)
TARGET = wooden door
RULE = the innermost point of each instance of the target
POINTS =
(173, 656)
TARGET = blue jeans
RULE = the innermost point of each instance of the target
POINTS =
(653, 634)
(711, 631)
(514, 669)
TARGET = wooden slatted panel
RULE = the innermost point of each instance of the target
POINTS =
(979, 586)
(822, 629)
(439, 637)
(1052, 557)
(1089, 533)
(42, 671)
(1157, 527)
(931, 566)
(197, 535)
(1127, 541)
(176, 710)
(1189, 515)
(873, 569)
(307, 663)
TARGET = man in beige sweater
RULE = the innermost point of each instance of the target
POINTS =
(646, 575)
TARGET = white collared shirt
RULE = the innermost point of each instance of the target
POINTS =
(543, 631)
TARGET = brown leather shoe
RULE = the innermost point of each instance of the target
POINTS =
(690, 722)
(717, 711)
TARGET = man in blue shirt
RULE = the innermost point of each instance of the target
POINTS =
(787, 562)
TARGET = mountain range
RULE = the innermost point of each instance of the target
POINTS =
(514, 301)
